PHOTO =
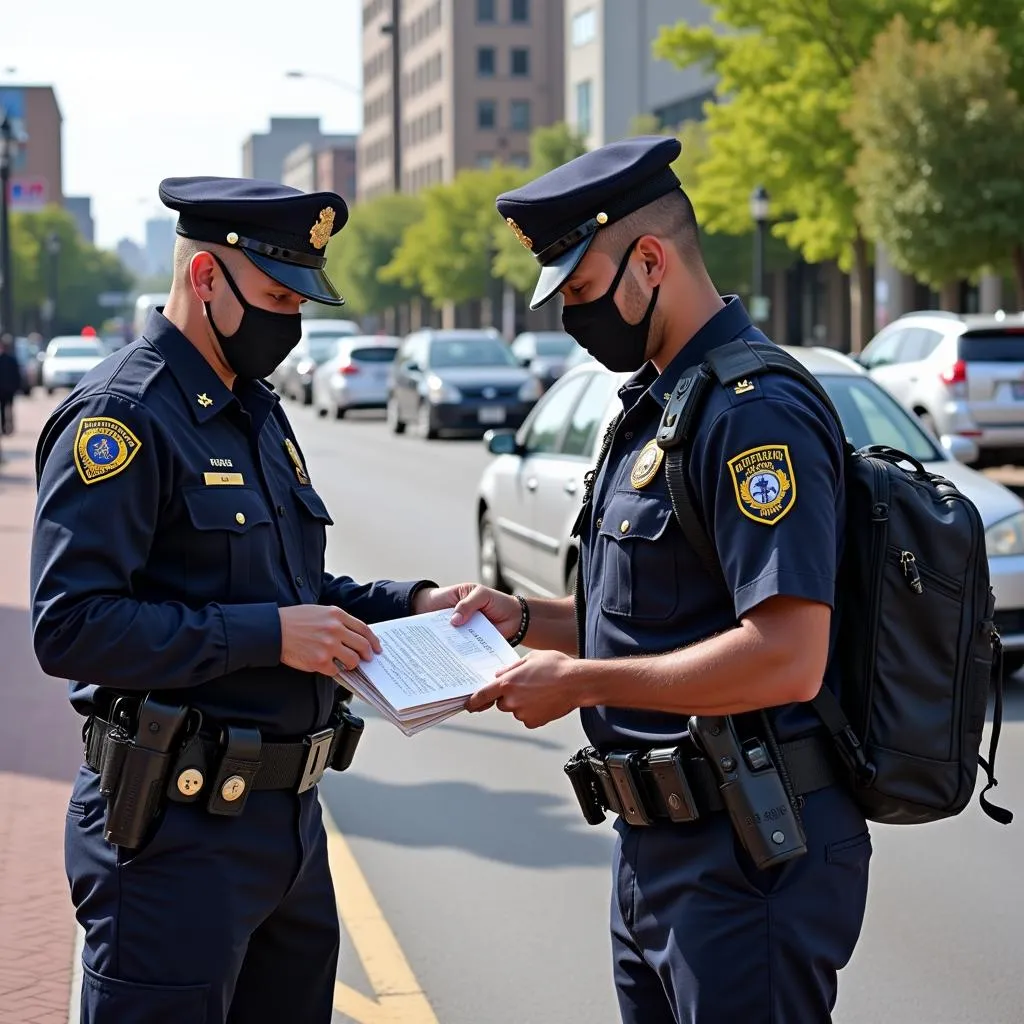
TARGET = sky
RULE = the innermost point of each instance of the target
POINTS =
(151, 91)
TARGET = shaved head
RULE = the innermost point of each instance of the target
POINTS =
(670, 217)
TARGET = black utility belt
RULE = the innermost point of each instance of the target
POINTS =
(674, 784)
(149, 752)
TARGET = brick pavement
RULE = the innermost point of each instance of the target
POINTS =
(40, 749)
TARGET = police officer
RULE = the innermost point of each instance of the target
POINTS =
(699, 933)
(178, 581)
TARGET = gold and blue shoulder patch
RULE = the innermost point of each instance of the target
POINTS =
(764, 482)
(103, 447)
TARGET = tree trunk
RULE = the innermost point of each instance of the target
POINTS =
(862, 296)
(949, 297)
(1018, 273)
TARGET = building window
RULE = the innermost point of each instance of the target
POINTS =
(485, 61)
(584, 27)
(486, 114)
(520, 62)
(519, 111)
(584, 123)
(484, 160)
(691, 109)
(519, 159)
(521, 10)
(485, 10)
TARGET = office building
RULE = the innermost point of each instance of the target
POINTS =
(329, 166)
(133, 256)
(36, 169)
(160, 237)
(477, 76)
(264, 154)
(80, 207)
(611, 76)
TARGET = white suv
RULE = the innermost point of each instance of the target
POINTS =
(962, 375)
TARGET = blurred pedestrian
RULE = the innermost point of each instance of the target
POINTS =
(10, 383)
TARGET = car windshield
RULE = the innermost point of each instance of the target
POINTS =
(81, 350)
(871, 416)
(555, 346)
(470, 352)
(322, 345)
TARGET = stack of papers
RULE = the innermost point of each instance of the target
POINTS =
(427, 669)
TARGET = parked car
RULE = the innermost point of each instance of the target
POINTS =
(458, 380)
(68, 359)
(961, 375)
(545, 353)
(293, 377)
(529, 496)
(356, 376)
(29, 358)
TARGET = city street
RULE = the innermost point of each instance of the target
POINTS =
(471, 891)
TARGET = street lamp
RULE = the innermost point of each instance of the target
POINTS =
(50, 305)
(316, 75)
(393, 29)
(759, 211)
(6, 154)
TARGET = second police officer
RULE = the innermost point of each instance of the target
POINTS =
(699, 934)
(178, 581)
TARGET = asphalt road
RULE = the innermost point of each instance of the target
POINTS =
(497, 891)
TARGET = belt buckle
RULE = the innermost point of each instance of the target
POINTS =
(625, 778)
(317, 758)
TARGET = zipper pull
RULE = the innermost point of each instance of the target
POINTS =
(909, 565)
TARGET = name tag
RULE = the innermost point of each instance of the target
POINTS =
(223, 479)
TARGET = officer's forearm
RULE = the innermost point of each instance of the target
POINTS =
(743, 669)
(552, 625)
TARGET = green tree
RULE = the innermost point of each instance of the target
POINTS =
(940, 168)
(82, 272)
(447, 254)
(366, 244)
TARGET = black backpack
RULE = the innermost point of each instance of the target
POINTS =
(918, 648)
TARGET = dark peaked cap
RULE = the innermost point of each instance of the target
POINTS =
(557, 215)
(281, 230)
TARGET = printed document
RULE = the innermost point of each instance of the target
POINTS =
(427, 668)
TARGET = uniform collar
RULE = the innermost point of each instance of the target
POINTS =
(205, 393)
(732, 319)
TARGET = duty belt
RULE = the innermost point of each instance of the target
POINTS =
(673, 784)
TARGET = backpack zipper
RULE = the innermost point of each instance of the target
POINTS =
(920, 577)
(879, 538)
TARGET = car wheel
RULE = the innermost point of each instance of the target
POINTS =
(424, 424)
(307, 395)
(50, 391)
(395, 423)
(927, 420)
(1013, 662)
(489, 562)
(339, 412)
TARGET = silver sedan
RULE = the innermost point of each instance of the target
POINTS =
(356, 376)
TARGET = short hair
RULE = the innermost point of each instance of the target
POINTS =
(670, 217)
(184, 250)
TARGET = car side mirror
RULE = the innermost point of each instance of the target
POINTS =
(412, 367)
(501, 442)
(959, 448)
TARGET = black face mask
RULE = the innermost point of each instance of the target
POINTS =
(599, 327)
(262, 339)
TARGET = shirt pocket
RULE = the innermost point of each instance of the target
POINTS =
(314, 520)
(639, 579)
(233, 530)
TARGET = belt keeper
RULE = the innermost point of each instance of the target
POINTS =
(239, 764)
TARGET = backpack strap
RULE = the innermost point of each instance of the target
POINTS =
(994, 811)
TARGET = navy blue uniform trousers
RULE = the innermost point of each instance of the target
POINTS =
(699, 936)
(212, 920)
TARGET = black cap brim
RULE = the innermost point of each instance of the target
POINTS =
(308, 282)
(554, 274)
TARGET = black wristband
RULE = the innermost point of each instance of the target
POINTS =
(524, 622)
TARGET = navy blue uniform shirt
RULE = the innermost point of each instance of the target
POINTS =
(174, 518)
(766, 474)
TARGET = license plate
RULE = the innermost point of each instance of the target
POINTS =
(1018, 389)
(492, 414)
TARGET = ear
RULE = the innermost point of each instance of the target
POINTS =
(200, 271)
(654, 256)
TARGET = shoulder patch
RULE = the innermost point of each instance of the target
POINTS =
(764, 482)
(103, 447)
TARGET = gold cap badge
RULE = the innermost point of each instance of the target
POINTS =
(320, 232)
(524, 239)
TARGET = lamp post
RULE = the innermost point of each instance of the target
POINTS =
(393, 29)
(6, 153)
(50, 306)
(759, 211)
(317, 76)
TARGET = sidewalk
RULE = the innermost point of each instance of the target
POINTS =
(40, 750)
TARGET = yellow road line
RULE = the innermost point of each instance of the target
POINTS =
(400, 999)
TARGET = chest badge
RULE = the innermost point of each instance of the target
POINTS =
(647, 464)
(293, 454)
(764, 482)
(204, 400)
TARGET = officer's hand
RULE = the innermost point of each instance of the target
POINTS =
(312, 636)
(466, 598)
(537, 689)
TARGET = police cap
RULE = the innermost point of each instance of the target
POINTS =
(557, 215)
(281, 230)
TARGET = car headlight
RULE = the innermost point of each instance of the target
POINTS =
(305, 367)
(441, 392)
(531, 390)
(1006, 537)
